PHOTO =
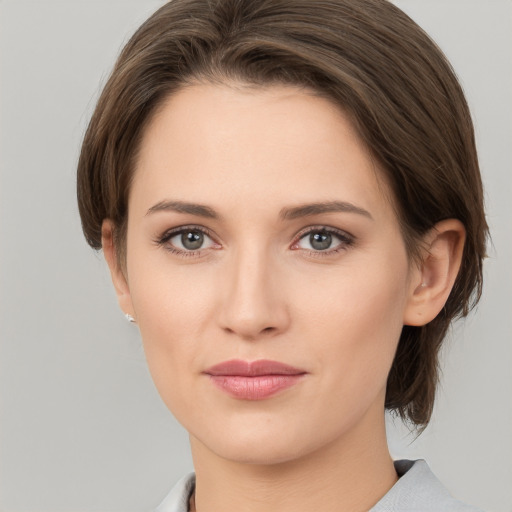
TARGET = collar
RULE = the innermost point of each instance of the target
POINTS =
(417, 490)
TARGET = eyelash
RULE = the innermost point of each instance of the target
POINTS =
(164, 239)
(346, 240)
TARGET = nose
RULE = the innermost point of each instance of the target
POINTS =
(253, 303)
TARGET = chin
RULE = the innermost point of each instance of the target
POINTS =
(258, 450)
(258, 444)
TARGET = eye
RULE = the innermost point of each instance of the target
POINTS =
(186, 240)
(190, 240)
(325, 240)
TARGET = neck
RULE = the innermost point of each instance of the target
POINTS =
(352, 473)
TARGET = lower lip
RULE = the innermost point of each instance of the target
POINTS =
(254, 388)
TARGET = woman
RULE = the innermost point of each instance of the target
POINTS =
(287, 194)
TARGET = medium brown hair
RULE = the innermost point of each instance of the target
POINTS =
(366, 56)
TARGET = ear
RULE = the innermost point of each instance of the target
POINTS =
(432, 280)
(117, 273)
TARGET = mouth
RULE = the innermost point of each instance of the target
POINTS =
(256, 380)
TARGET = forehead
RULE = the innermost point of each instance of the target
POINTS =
(282, 144)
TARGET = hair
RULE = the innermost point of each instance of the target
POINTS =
(367, 57)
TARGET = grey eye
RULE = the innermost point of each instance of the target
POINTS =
(191, 240)
(320, 241)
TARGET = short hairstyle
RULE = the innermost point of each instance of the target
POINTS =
(367, 57)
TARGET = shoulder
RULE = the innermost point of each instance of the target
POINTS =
(419, 490)
(177, 499)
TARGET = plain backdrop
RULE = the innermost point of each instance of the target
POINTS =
(82, 427)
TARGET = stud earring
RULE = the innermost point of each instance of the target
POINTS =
(129, 318)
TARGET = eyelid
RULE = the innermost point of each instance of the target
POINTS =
(169, 233)
(163, 239)
(346, 238)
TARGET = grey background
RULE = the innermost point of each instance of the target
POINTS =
(82, 427)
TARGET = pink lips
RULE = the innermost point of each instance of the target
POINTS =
(255, 380)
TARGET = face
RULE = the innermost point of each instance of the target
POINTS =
(266, 271)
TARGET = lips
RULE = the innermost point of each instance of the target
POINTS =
(256, 380)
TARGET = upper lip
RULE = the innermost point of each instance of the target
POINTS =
(237, 367)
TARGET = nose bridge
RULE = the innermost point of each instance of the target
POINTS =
(253, 304)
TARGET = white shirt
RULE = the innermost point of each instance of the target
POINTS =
(417, 490)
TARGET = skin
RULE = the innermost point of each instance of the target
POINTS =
(258, 289)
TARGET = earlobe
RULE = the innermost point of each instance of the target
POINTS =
(119, 279)
(433, 280)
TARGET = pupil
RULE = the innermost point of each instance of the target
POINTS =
(192, 240)
(320, 241)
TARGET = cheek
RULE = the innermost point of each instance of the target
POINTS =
(355, 319)
(352, 328)
(172, 314)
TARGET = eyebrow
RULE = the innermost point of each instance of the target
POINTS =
(200, 210)
(304, 210)
(307, 210)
